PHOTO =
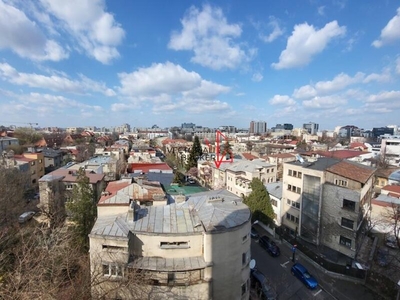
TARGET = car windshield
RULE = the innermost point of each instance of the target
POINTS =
(306, 275)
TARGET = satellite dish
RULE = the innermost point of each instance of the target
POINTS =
(252, 264)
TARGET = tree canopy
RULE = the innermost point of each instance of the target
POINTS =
(259, 203)
(27, 136)
(194, 155)
(82, 209)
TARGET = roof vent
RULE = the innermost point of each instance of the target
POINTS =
(215, 199)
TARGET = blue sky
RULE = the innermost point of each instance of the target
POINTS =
(104, 63)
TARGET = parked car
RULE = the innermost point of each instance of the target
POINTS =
(391, 242)
(301, 273)
(26, 216)
(270, 246)
(191, 181)
(382, 257)
(261, 285)
(254, 234)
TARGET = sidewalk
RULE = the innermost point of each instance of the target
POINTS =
(337, 285)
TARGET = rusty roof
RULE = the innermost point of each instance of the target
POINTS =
(352, 170)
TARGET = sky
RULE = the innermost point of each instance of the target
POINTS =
(105, 63)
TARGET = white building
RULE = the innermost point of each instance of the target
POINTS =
(390, 149)
(193, 249)
(236, 176)
(275, 195)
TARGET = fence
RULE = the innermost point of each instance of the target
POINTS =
(326, 264)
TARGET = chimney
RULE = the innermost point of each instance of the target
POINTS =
(131, 211)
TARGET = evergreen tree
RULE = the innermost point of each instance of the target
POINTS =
(259, 203)
(227, 149)
(82, 209)
(194, 155)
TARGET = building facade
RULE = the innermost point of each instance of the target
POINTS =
(183, 250)
(325, 202)
(311, 127)
(258, 127)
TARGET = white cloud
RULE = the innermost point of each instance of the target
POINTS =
(338, 83)
(257, 77)
(390, 32)
(276, 31)
(305, 42)
(208, 34)
(25, 38)
(383, 77)
(157, 79)
(306, 91)
(327, 102)
(94, 29)
(385, 96)
(282, 100)
(53, 82)
(206, 90)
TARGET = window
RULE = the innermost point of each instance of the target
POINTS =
(174, 245)
(245, 287)
(294, 189)
(32, 163)
(274, 202)
(112, 270)
(347, 223)
(69, 187)
(292, 218)
(295, 173)
(290, 172)
(299, 174)
(245, 237)
(348, 204)
(245, 258)
(296, 204)
(340, 182)
(115, 248)
(345, 241)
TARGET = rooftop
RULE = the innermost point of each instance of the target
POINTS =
(341, 154)
(275, 189)
(245, 165)
(209, 211)
(353, 171)
(71, 176)
(321, 164)
(148, 167)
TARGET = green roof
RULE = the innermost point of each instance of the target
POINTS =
(185, 190)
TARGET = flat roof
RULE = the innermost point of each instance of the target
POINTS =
(208, 211)
(168, 264)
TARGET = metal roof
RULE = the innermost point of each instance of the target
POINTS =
(208, 211)
(275, 189)
(169, 264)
(114, 226)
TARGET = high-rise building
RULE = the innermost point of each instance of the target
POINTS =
(311, 127)
(258, 127)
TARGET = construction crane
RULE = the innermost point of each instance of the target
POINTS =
(30, 123)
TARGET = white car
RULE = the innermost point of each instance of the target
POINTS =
(26, 216)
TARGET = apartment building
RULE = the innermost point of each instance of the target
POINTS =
(237, 176)
(326, 201)
(390, 149)
(195, 248)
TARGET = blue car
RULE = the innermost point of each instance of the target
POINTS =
(301, 273)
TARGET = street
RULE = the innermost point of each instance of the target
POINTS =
(277, 270)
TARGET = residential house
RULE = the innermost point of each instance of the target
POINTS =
(382, 177)
(274, 190)
(236, 176)
(38, 166)
(53, 158)
(196, 248)
(6, 141)
(55, 189)
(278, 160)
(121, 144)
(108, 165)
(385, 208)
(326, 201)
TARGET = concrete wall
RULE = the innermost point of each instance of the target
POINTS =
(332, 214)
(149, 245)
(224, 251)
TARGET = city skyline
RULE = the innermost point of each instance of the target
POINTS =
(210, 63)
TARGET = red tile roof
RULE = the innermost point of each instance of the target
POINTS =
(70, 177)
(358, 145)
(392, 188)
(112, 188)
(353, 171)
(249, 156)
(146, 167)
(341, 154)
